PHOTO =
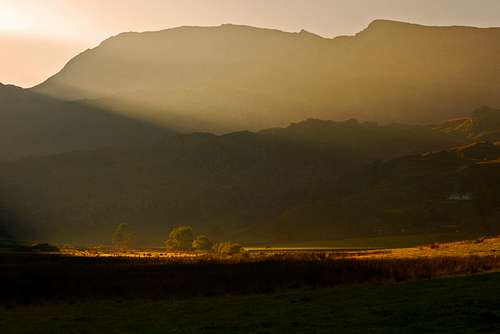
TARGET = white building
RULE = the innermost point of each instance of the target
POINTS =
(460, 197)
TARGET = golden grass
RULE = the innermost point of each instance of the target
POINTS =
(478, 248)
(156, 273)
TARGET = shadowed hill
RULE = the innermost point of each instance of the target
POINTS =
(222, 185)
(237, 77)
(32, 124)
(365, 139)
(483, 124)
(451, 190)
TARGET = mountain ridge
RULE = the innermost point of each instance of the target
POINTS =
(34, 124)
(482, 125)
(230, 77)
(232, 183)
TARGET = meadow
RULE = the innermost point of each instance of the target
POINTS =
(449, 305)
(260, 291)
(73, 274)
(386, 241)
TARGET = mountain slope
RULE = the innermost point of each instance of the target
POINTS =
(238, 77)
(482, 125)
(32, 124)
(457, 189)
(222, 185)
(369, 140)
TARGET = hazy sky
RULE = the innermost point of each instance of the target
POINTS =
(37, 37)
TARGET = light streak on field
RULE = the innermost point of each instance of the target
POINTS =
(477, 248)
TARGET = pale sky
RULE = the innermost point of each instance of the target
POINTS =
(37, 37)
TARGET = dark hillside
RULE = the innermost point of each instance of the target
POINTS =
(32, 124)
(482, 125)
(455, 190)
(222, 185)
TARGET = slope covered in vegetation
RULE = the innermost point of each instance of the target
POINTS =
(241, 185)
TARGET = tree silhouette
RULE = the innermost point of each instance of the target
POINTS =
(180, 238)
(122, 236)
(202, 243)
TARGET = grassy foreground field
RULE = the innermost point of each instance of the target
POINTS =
(141, 291)
(450, 305)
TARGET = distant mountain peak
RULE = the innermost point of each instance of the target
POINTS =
(385, 25)
(225, 27)
(233, 77)
(238, 26)
(390, 23)
(305, 33)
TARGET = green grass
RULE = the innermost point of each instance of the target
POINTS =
(397, 241)
(450, 305)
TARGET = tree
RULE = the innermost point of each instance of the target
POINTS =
(202, 243)
(180, 238)
(122, 236)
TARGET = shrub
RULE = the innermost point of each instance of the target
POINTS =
(180, 238)
(202, 243)
(227, 248)
(44, 247)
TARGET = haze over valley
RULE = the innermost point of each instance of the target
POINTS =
(235, 166)
(302, 124)
(231, 77)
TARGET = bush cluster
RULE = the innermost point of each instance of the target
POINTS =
(227, 248)
(181, 238)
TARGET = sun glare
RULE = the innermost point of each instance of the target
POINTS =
(13, 21)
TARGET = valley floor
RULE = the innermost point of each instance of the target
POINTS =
(402, 248)
(467, 304)
(437, 288)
